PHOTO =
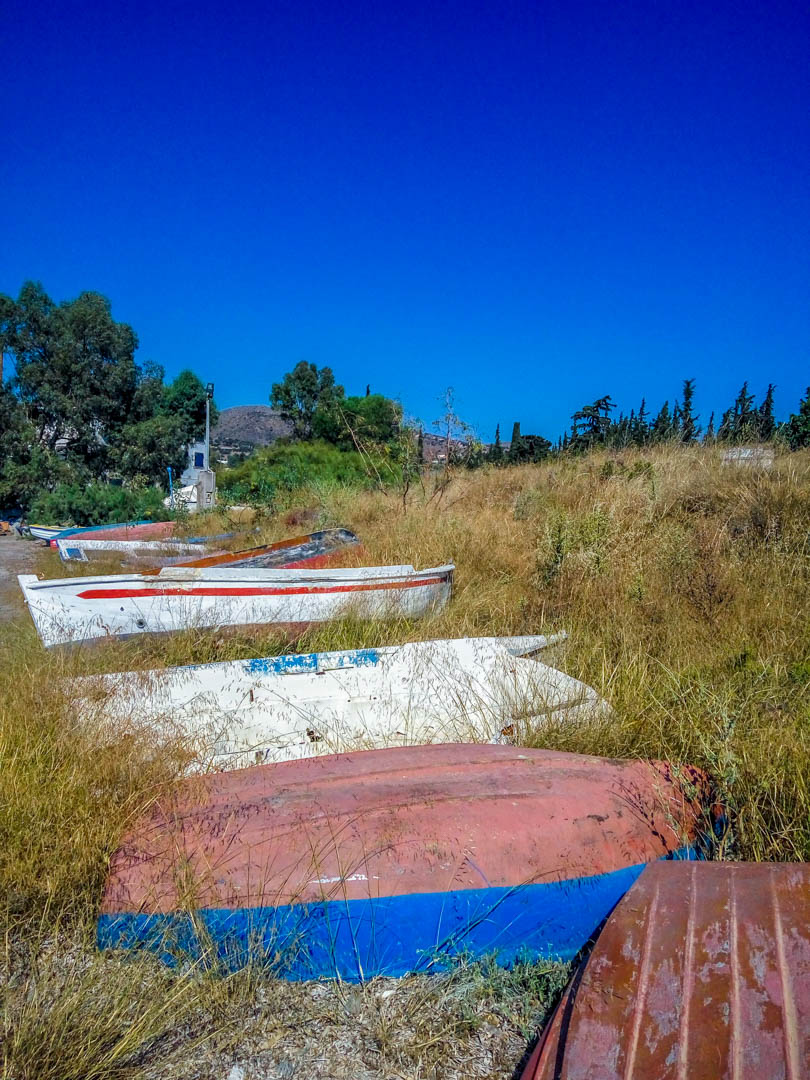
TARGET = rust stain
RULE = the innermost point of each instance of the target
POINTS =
(702, 972)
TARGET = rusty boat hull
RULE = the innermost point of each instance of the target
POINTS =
(701, 972)
(311, 551)
(384, 862)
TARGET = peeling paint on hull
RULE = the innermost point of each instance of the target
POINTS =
(72, 610)
(388, 861)
(701, 973)
(279, 708)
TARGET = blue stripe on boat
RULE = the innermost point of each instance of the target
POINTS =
(389, 935)
(296, 663)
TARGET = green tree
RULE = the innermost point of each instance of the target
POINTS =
(75, 370)
(797, 429)
(766, 424)
(689, 429)
(739, 422)
(595, 424)
(495, 455)
(78, 402)
(185, 399)
(640, 428)
(662, 428)
(357, 422)
(301, 392)
(148, 447)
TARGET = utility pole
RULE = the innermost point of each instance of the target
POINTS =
(209, 393)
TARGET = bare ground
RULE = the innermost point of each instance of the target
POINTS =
(17, 556)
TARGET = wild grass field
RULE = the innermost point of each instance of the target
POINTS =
(683, 584)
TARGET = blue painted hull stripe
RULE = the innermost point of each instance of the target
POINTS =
(293, 664)
(389, 935)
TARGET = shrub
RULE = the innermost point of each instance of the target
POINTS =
(287, 467)
(98, 504)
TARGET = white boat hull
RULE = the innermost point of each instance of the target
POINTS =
(279, 708)
(72, 610)
(43, 532)
(82, 550)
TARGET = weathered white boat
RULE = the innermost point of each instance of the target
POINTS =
(43, 532)
(82, 549)
(70, 610)
(280, 708)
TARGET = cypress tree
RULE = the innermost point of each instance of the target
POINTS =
(766, 425)
(496, 450)
(797, 429)
(641, 431)
(739, 420)
(689, 421)
(662, 425)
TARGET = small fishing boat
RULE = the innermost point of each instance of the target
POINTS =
(284, 707)
(133, 530)
(384, 862)
(702, 971)
(72, 610)
(83, 548)
(313, 550)
(43, 532)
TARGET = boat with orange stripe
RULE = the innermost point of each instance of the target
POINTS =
(313, 550)
(72, 610)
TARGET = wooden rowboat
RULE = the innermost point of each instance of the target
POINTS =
(82, 549)
(72, 610)
(284, 707)
(389, 861)
(135, 530)
(313, 551)
(701, 972)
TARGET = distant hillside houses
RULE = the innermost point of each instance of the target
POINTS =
(244, 427)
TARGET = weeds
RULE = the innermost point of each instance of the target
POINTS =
(683, 585)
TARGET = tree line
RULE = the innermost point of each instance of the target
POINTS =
(593, 426)
(77, 408)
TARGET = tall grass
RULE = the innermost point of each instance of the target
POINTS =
(683, 584)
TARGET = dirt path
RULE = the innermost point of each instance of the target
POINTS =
(17, 556)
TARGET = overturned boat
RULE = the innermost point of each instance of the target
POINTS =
(72, 610)
(702, 971)
(385, 862)
(278, 708)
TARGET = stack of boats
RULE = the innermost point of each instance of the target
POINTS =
(372, 812)
(286, 584)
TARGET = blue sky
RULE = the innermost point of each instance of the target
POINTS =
(534, 203)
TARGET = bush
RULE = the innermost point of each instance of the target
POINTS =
(97, 504)
(287, 467)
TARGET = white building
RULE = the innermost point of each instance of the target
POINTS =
(196, 464)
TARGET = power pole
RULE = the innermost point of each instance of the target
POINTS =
(209, 393)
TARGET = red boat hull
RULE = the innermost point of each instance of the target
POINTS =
(401, 856)
(702, 972)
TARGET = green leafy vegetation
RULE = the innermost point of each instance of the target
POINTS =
(78, 409)
(275, 471)
(97, 504)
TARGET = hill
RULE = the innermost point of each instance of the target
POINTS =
(249, 425)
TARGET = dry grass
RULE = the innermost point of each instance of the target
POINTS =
(683, 585)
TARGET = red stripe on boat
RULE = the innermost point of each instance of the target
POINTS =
(303, 590)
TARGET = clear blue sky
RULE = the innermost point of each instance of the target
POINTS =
(536, 203)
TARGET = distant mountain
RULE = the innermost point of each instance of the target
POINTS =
(246, 426)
